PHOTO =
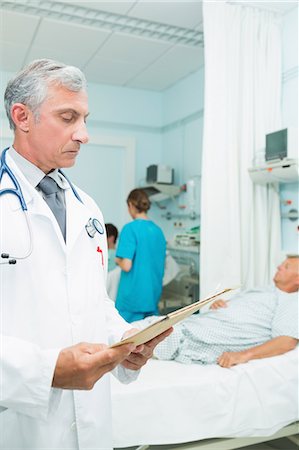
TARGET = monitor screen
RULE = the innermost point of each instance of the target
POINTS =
(277, 145)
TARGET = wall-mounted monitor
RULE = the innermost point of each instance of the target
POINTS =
(158, 173)
(277, 145)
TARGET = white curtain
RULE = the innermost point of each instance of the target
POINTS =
(240, 226)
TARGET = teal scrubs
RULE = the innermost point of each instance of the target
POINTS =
(111, 259)
(143, 242)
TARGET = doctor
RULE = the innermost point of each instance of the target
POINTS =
(56, 318)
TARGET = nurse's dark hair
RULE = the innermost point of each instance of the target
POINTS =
(30, 85)
(139, 199)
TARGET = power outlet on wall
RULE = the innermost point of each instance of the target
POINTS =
(178, 224)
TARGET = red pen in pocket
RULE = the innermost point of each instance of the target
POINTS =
(99, 250)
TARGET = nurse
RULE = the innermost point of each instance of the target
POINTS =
(56, 318)
(140, 253)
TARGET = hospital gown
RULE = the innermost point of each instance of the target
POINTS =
(251, 318)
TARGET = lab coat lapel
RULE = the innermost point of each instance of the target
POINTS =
(34, 201)
(26, 188)
(77, 216)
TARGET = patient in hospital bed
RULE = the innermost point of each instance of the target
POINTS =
(256, 323)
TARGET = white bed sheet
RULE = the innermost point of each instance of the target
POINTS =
(172, 403)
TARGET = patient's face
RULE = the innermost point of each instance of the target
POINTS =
(287, 275)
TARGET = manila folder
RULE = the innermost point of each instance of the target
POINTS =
(163, 323)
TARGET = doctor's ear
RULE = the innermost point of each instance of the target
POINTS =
(20, 116)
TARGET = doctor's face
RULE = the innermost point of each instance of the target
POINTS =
(55, 137)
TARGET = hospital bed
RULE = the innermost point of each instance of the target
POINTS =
(176, 406)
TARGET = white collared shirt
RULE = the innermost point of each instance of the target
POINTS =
(33, 174)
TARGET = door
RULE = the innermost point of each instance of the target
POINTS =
(105, 171)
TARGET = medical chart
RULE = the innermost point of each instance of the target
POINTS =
(164, 322)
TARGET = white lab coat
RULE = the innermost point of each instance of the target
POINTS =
(51, 300)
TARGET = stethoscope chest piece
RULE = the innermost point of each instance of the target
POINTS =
(94, 226)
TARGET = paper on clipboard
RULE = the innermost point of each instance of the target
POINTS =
(163, 323)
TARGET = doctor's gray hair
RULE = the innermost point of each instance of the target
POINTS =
(30, 86)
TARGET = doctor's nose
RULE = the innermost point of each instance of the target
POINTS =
(81, 134)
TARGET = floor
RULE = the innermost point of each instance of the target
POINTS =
(278, 444)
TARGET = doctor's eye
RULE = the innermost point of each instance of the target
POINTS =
(67, 117)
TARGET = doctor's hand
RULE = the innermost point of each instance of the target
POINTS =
(139, 357)
(82, 365)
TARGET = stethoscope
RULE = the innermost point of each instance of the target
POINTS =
(92, 227)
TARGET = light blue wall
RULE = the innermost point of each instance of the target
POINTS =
(182, 146)
(289, 192)
(184, 98)
(114, 112)
(125, 106)
(127, 113)
(166, 127)
(124, 112)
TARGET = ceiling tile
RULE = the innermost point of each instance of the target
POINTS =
(111, 71)
(63, 54)
(54, 34)
(181, 59)
(11, 56)
(132, 48)
(186, 14)
(153, 79)
(121, 58)
(177, 63)
(15, 27)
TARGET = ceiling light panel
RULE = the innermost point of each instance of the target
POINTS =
(66, 35)
(117, 7)
(11, 21)
(11, 56)
(106, 20)
(184, 14)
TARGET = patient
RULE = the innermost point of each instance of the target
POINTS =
(112, 234)
(256, 323)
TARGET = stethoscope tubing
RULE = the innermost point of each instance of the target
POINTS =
(17, 191)
(4, 168)
(12, 258)
(92, 227)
